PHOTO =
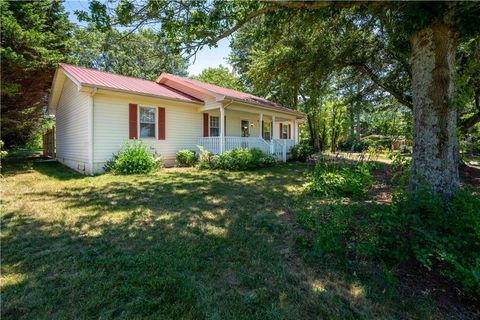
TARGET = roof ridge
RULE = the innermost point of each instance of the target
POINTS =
(179, 92)
(211, 84)
(242, 92)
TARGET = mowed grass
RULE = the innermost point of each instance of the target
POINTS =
(180, 244)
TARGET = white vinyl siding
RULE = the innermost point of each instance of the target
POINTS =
(183, 127)
(72, 128)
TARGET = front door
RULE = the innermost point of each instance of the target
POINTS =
(245, 127)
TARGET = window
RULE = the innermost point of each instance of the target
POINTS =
(214, 126)
(267, 130)
(147, 122)
(245, 128)
(285, 131)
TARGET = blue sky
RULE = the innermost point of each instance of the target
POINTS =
(206, 58)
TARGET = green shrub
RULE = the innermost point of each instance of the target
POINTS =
(243, 159)
(236, 159)
(302, 151)
(186, 158)
(354, 145)
(207, 160)
(135, 157)
(439, 235)
(444, 235)
(401, 166)
(332, 179)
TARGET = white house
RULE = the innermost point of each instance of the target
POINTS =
(97, 112)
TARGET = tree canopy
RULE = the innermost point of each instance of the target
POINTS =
(140, 54)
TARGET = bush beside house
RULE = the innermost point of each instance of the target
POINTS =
(186, 158)
(302, 151)
(135, 157)
(236, 159)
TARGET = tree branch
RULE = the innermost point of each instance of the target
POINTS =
(281, 4)
(239, 24)
(402, 98)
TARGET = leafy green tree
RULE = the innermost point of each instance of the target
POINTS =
(220, 76)
(140, 54)
(468, 83)
(35, 37)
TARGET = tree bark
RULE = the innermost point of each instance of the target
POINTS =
(435, 147)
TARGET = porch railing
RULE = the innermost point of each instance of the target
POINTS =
(280, 148)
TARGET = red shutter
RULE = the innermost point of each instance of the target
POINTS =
(132, 121)
(205, 124)
(289, 131)
(225, 125)
(263, 129)
(161, 123)
(281, 127)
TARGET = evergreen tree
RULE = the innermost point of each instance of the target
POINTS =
(35, 37)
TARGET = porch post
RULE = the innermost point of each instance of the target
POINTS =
(294, 125)
(274, 131)
(260, 125)
(222, 129)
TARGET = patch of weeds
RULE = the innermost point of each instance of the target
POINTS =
(344, 180)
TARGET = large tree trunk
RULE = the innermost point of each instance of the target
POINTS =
(435, 148)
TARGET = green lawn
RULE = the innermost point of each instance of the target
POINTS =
(180, 244)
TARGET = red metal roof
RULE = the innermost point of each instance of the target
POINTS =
(107, 80)
(100, 79)
(230, 93)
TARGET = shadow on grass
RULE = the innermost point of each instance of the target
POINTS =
(15, 164)
(176, 245)
(184, 244)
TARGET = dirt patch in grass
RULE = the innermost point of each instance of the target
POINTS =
(418, 282)
(381, 191)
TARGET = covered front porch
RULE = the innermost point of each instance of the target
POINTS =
(234, 126)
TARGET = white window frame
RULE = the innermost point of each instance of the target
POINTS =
(284, 131)
(210, 126)
(140, 122)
